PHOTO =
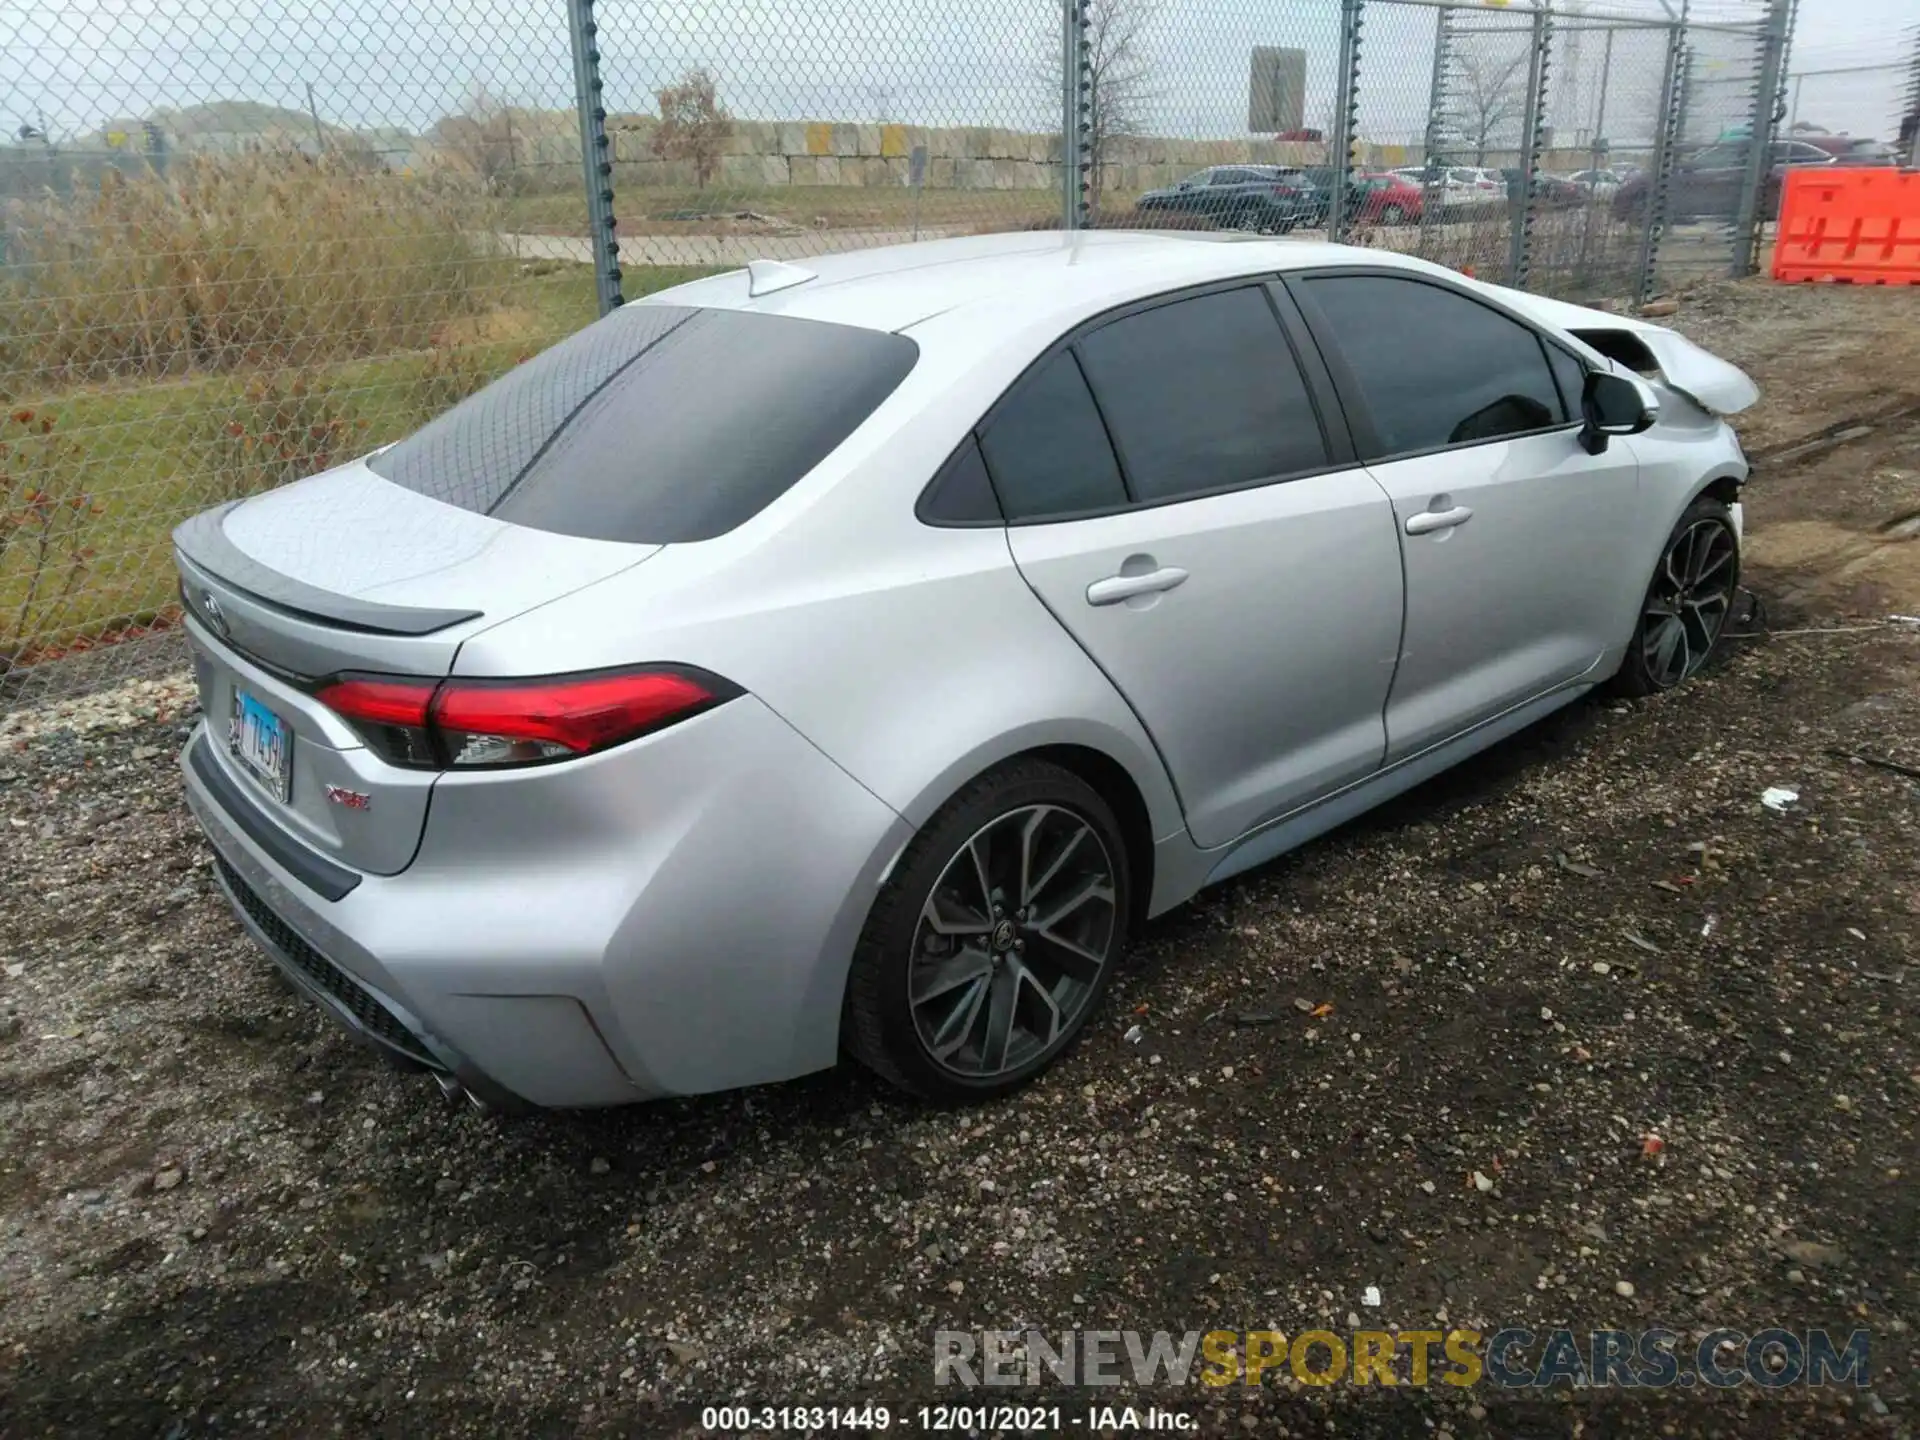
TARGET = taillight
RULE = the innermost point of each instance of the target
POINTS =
(466, 723)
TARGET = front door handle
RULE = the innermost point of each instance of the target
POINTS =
(1115, 588)
(1428, 521)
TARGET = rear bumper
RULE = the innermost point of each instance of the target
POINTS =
(669, 917)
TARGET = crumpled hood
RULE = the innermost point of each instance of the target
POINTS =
(1713, 384)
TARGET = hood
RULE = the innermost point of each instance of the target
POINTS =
(1715, 385)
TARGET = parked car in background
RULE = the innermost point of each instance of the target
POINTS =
(1852, 150)
(1384, 198)
(1458, 187)
(1602, 183)
(1272, 199)
(624, 734)
(1552, 189)
(1707, 184)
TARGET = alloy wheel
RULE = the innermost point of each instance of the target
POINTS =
(1688, 603)
(1011, 943)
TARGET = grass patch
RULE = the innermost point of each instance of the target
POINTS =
(150, 453)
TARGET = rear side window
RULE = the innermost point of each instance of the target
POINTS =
(1436, 368)
(1047, 448)
(658, 424)
(1202, 395)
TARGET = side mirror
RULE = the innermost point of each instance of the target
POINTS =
(1615, 405)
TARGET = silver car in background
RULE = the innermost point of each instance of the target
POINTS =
(850, 659)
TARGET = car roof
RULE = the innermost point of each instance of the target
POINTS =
(898, 286)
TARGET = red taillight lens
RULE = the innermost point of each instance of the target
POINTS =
(513, 722)
(544, 719)
(389, 713)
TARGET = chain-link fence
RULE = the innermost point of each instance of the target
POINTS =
(240, 242)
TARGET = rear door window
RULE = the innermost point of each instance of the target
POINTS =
(659, 424)
(1203, 394)
(1047, 448)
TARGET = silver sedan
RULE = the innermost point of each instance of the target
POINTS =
(849, 659)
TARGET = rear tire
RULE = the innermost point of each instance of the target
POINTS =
(1392, 215)
(1687, 604)
(996, 937)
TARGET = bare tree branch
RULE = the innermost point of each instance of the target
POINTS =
(1490, 89)
(1122, 81)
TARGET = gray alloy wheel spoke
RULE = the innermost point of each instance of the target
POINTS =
(1712, 566)
(1096, 888)
(1073, 959)
(1663, 640)
(941, 977)
(948, 923)
(958, 1027)
(1055, 1020)
(1003, 990)
(1038, 888)
(994, 983)
(980, 872)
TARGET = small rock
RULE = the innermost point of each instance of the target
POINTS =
(445, 1185)
(1601, 967)
(598, 1165)
(1482, 1183)
(1428, 1186)
(1796, 1277)
(1875, 1405)
(1370, 1297)
(1623, 1288)
(169, 1178)
(987, 1187)
(956, 1287)
(1655, 309)
(1812, 1252)
(1303, 1005)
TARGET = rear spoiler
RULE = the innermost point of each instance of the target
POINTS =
(202, 547)
(1650, 350)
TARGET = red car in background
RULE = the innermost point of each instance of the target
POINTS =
(1386, 199)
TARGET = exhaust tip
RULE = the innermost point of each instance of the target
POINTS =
(449, 1087)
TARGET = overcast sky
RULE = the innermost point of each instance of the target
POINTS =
(405, 63)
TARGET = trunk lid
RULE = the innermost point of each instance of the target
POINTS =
(348, 572)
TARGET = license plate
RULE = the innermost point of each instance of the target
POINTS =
(262, 744)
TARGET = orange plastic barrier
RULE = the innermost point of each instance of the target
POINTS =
(1850, 226)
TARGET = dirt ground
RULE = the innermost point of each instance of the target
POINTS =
(218, 1217)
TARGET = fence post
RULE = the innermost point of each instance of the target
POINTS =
(1076, 114)
(1752, 216)
(1346, 116)
(1433, 188)
(1520, 242)
(596, 154)
(1673, 106)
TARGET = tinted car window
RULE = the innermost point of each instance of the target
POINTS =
(1435, 367)
(1571, 376)
(1047, 447)
(626, 431)
(1203, 394)
(961, 494)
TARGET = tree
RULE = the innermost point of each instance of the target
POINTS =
(1121, 86)
(1491, 90)
(483, 137)
(694, 125)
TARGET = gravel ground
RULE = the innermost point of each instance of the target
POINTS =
(1424, 1055)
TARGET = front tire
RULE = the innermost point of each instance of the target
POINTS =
(995, 938)
(1392, 215)
(1687, 603)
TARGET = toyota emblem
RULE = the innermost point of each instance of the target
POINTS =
(210, 607)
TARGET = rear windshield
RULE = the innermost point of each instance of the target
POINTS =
(659, 424)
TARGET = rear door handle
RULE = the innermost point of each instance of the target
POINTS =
(1115, 588)
(1428, 521)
